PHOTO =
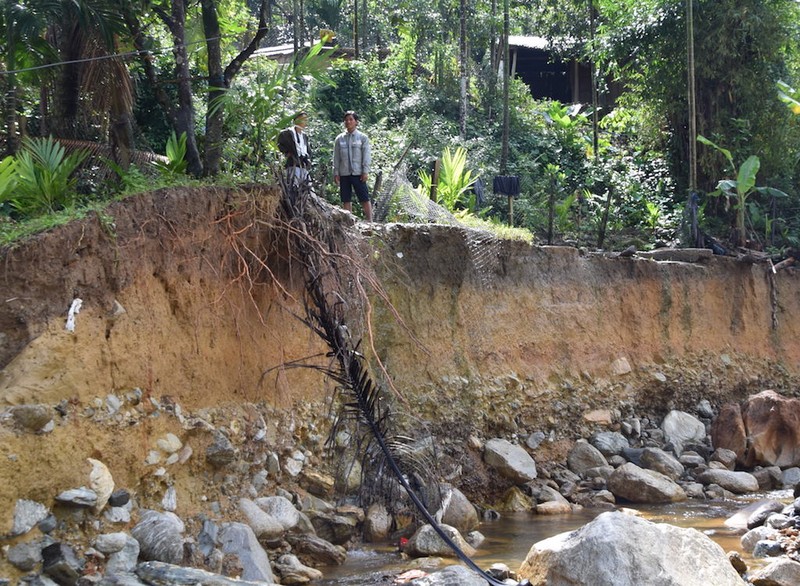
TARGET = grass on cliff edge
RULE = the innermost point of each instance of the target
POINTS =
(500, 230)
(13, 231)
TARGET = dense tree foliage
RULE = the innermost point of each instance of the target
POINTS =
(429, 78)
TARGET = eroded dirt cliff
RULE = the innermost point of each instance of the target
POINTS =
(192, 297)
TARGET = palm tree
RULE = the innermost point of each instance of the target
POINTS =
(23, 47)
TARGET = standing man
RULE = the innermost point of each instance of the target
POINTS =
(351, 161)
(293, 143)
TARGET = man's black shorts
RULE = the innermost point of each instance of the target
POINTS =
(349, 182)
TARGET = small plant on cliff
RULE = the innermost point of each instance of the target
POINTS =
(45, 176)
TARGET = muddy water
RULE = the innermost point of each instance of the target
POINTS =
(509, 539)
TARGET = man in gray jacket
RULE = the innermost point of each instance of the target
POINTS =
(351, 161)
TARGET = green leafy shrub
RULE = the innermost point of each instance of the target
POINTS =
(45, 176)
(176, 153)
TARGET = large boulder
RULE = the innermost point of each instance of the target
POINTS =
(616, 549)
(510, 460)
(638, 485)
(584, 456)
(427, 542)
(736, 482)
(773, 427)
(764, 431)
(728, 432)
(781, 572)
(458, 511)
(662, 462)
(682, 428)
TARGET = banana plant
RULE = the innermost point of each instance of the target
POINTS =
(741, 188)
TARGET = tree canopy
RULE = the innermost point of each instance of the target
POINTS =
(430, 76)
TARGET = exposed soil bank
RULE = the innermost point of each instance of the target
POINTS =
(493, 338)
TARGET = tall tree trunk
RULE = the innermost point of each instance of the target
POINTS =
(462, 56)
(355, 28)
(11, 109)
(184, 114)
(593, 76)
(504, 151)
(220, 80)
(216, 88)
(364, 16)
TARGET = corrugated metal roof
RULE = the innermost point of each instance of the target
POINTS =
(527, 42)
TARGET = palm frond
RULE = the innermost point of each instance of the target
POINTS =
(392, 462)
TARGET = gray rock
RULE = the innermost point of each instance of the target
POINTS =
(124, 560)
(779, 521)
(239, 540)
(617, 549)
(451, 576)
(726, 457)
(716, 492)
(377, 524)
(60, 563)
(292, 571)
(119, 498)
(315, 551)
(161, 573)
(767, 548)
(110, 542)
(160, 536)
(26, 515)
(281, 509)
(117, 515)
(48, 524)
(264, 525)
(510, 460)
(692, 459)
(735, 482)
(208, 538)
(535, 439)
(694, 490)
(170, 500)
(121, 580)
(633, 455)
(584, 456)
(78, 497)
(25, 556)
(475, 538)
(610, 443)
(781, 572)
(704, 409)
(661, 461)
(790, 477)
(427, 542)
(764, 509)
(338, 529)
(638, 485)
(32, 417)
(221, 452)
(458, 511)
(681, 428)
(768, 477)
(750, 539)
(601, 472)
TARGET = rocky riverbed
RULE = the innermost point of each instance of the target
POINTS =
(244, 496)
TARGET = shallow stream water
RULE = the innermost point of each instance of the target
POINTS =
(509, 539)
